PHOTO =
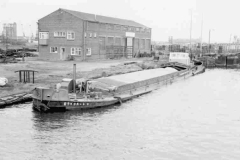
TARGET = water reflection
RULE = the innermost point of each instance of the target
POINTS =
(198, 118)
(56, 120)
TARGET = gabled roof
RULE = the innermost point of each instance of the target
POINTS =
(103, 19)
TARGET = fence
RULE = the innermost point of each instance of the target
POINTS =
(232, 61)
(114, 52)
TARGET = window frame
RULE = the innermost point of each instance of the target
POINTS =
(55, 48)
(70, 33)
(41, 35)
(79, 50)
(74, 51)
(58, 35)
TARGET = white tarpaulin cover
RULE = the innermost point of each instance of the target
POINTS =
(128, 78)
(3, 81)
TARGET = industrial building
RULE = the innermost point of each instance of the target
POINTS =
(66, 33)
(10, 30)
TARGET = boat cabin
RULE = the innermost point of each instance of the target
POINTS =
(180, 57)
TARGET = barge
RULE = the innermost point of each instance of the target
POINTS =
(77, 94)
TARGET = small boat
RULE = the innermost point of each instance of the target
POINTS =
(75, 94)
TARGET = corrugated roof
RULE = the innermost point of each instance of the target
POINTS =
(103, 19)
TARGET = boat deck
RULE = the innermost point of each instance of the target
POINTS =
(119, 80)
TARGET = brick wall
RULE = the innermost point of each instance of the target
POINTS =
(115, 32)
(60, 21)
(63, 21)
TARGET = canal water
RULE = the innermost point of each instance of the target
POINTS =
(197, 118)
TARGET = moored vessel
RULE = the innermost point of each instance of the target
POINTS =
(74, 93)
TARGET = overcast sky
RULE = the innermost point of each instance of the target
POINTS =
(165, 17)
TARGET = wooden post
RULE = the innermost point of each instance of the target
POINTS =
(20, 76)
(24, 76)
(33, 76)
(29, 76)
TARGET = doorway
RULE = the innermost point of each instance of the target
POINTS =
(129, 47)
(62, 53)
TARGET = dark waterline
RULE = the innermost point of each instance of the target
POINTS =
(198, 118)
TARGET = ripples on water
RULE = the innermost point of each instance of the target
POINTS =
(198, 118)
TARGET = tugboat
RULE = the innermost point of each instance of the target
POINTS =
(73, 94)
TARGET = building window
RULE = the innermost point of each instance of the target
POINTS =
(43, 35)
(89, 52)
(72, 51)
(137, 29)
(76, 51)
(53, 50)
(142, 29)
(90, 35)
(70, 35)
(110, 27)
(129, 28)
(117, 27)
(148, 30)
(124, 28)
(95, 35)
(117, 41)
(85, 35)
(110, 41)
(59, 34)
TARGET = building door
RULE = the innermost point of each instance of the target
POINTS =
(62, 53)
(129, 48)
(102, 47)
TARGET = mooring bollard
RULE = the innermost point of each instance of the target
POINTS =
(26, 76)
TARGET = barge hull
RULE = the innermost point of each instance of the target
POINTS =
(79, 104)
(45, 99)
